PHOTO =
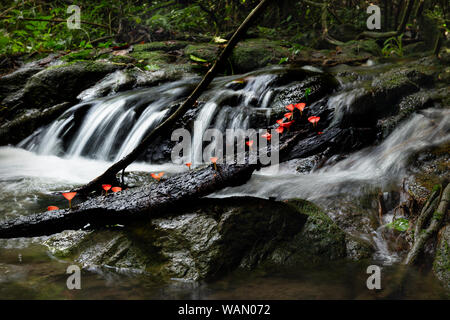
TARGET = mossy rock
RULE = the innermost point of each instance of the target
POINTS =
(24, 125)
(406, 107)
(441, 264)
(417, 49)
(206, 51)
(211, 238)
(321, 239)
(151, 57)
(16, 80)
(379, 99)
(252, 54)
(430, 167)
(57, 84)
(160, 46)
(359, 47)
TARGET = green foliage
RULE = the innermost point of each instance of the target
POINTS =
(22, 30)
(307, 93)
(283, 60)
(393, 46)
(437, 14)
(296, 48)
(196, 59)
(178, 18)
(401, 224)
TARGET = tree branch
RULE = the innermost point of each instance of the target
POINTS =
(425, 234)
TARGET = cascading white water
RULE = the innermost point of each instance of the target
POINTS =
(113, 126)
(378, 166)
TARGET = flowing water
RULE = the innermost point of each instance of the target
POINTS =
(91, 135)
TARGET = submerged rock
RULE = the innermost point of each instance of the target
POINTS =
(213, 237)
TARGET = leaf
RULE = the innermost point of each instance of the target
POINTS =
(283, 60)
(219, 40)
(197, 59)
(401, 224)
(151, 67)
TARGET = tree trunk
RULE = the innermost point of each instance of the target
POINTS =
(406, 15)
(423, 235)
(110, 174)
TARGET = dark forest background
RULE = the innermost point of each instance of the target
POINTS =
(36, 26)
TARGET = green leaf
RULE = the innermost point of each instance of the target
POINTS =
(283, 60)
(197, 59)
(151, 67)
(401, 224)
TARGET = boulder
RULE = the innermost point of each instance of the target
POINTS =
(211, 238)
(252, 54)
(379, 98)
(14, 131)
(56, 84)
(16, 80)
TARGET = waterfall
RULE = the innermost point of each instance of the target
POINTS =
(109, 128)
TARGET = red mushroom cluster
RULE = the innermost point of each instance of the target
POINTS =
(282, 124)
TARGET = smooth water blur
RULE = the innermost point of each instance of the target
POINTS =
(29, 182)
(28, 271)
(379, 166)
(93, 127)
(340, 185)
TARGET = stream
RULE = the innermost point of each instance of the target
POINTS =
(91, 135)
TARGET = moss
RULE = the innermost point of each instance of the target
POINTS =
(122, 59)
(151, 57)
(441, 264)
(79, 55)
(321, 239)
(438, 215)
(207, 51)
(160, 46)
(256, 53)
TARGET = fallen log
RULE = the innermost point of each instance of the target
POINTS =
(130, 205)
(153, 200)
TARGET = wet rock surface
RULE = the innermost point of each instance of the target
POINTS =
(55, 85)
(21, 127)
(213, 237)
(441, 265)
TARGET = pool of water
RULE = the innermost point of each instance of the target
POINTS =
(29, 271)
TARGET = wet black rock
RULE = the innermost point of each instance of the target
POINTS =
(213, 237)
(12, 132)
(55, 85)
